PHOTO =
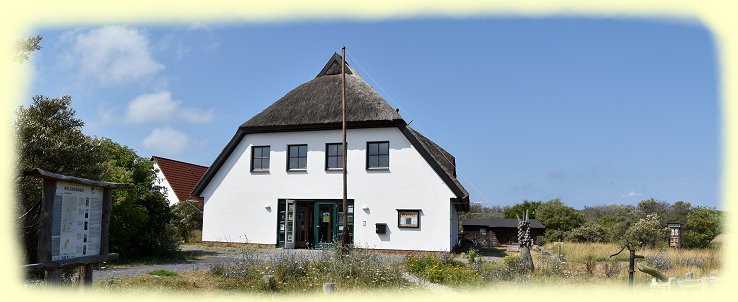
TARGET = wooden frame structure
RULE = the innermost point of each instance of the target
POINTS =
(52, 269)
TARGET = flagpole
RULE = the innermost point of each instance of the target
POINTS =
(345, 233)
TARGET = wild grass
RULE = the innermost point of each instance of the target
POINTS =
(280, 273)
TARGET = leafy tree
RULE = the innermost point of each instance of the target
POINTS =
(678, 212)
(519, 209)
(589, 232)
(615, 218)
(647, 231)
(187, 218)
(479, 211)
(25, 47)
(703, 225)
(140, 222)
(557, 216)
(558, 219)
(653, 206)
(50, 137)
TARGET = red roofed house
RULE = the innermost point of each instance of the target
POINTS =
(177, 178)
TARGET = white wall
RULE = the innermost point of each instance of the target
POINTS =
(166, 187)
(235, 198)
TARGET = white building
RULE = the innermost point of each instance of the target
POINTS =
(279, 180)
(177, 178)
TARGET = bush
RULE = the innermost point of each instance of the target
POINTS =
(187, 218)
(703, 225)
(589, 232)
(647, 231)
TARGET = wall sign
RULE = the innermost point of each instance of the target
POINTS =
(408, 218)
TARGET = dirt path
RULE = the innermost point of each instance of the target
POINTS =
(209, 255)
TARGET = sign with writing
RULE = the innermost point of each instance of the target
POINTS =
(76, 221)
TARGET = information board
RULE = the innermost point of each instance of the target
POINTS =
(76, 221)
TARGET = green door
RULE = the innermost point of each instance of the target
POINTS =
(325, 230)
(328, 218)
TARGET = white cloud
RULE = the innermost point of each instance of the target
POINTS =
(113, 54)
(151, 107)
(160, 107)
(196, 116)
(631, 194)
(166, 141)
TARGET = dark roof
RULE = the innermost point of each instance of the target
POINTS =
(316, 105)
(181, 176)
(501, 223)
(318, 102)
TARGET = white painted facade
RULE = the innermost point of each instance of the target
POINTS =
(166, 188)
(241, 206)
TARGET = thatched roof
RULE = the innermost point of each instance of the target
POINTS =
(316, 105)
(318, 102)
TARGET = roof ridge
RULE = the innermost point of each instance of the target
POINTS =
(179, 161)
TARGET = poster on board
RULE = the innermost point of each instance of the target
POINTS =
(76, 221)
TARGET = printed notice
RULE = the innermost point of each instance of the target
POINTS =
(76, 222)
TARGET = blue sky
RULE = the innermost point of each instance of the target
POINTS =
(593, 111)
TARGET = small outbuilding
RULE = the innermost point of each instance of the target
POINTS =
(177, 178)
(498, 231)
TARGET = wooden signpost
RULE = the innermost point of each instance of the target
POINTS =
(73, 226)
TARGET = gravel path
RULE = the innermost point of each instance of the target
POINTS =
(210, 255)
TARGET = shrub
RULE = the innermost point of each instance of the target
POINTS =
(647, 231)
(187, 218)
(589, 232)
(703, 225)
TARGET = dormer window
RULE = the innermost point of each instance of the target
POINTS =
(260, 158)
(377, 155)
(297, 157)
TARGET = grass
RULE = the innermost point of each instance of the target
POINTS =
(586, 264)
(163, 273)
(282, 273)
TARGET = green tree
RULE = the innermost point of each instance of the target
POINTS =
(614, 218)
(647, 231)
(140, 222)
(589, 232)
(50, 137)
(678, 212)
(187, 218)
(653, 206)
(703, 225)
(25, 47)
(558, 219)
(518, 210)
(479, 211)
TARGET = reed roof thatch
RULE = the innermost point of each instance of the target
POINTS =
(316, 105)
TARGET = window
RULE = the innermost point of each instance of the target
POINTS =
(260, 158)
(297, 157)
(377, 155)
(334, 156)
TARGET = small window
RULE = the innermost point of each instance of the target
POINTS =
(483, 231)
(377, 155)
(260, 158)
(297, 157)
(334, 156)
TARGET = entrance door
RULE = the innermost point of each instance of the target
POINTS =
(325, 223)
(289, 223)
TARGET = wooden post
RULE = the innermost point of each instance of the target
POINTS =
(329, 288)
(43, 252)
(345, 233)
(85, 275)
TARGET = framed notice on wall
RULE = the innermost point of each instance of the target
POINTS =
(76, 221)
(408, 218)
